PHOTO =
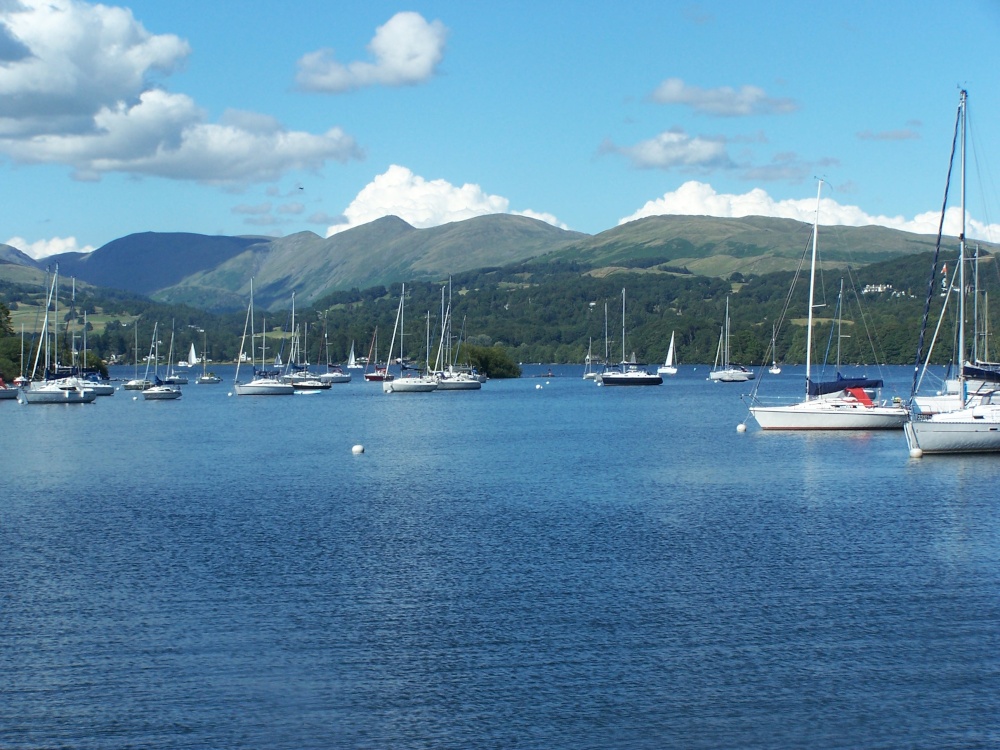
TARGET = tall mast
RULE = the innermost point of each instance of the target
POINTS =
(623, 325)
(961, 245)
(812, 289)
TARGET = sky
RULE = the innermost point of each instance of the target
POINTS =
(268, 117)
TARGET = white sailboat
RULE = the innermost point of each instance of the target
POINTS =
(841, 404)
(774, 369)
(261, 384)
(628, 372)
(297, 371)
(405, 383)
(352, 361)
(668, 367)
(54, 390)
(723, 371)
(173, 377)
(158, 391)
(206, 377)
(975, 427)
(589, 373)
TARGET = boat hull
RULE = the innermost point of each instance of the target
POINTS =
(972, 430)
(829, 415)
(59, 393)
(630, 379)
(161, 393)
(459, 384)
(730, 376)
(409, 385)
(264, 388)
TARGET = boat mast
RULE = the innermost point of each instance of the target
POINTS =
(623, 325)
(961, 252)
(812, 289)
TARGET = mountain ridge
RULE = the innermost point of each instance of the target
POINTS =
(214, 271)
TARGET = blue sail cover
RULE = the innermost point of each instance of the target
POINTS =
(840, 384)
(988, 372)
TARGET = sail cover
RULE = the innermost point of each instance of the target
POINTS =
(840, 384)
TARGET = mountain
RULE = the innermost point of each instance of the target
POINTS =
(150, 261)
(214, 272)
(15, 257)
(382, 252)
(711, 246)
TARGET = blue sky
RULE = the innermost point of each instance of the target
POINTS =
(267, 117)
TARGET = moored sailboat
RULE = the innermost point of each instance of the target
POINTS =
(724, 371)
(405, 383)
(668, 367)
(261, 384)
(840, 404)
(975, 426)
(628, 372)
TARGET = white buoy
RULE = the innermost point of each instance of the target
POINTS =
(358, 449)
(741, 427)
(538, 386)
(229, 394)
(135, 398)
(916, 453)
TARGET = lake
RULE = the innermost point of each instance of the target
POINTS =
(544, 563)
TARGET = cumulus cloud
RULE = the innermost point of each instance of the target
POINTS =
(674, 149)
(423, 203)
(723, 101)
(406, 51)
(700, 199)
(81, 93)
(44, 248)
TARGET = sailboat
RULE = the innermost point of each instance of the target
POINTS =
(774, 369)
(448, 374)
(723, 371)
(54, 390)
(262, 384)
(405, 383)
(297, 371)
(136, 383)
(334, 373)
(975, 427)
(192, 359)
(352, 362)
(841, 404)
(668, 367)
(627, 372)
(589, 373)
(173, 377)
(206, 377)
(377, 373)
(159, 390)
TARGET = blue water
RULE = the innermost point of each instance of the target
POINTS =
(541, 564)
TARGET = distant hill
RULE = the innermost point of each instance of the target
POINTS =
(214, 272)
(711, 246)
(15, 257)
(382, 252)
(150, 261)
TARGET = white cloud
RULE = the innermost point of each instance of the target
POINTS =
(80, 59)
(44, 248)
(406, 51)
(674, 149)
(723, 101)
(83, 97)
(700, 199)
(423, 203)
